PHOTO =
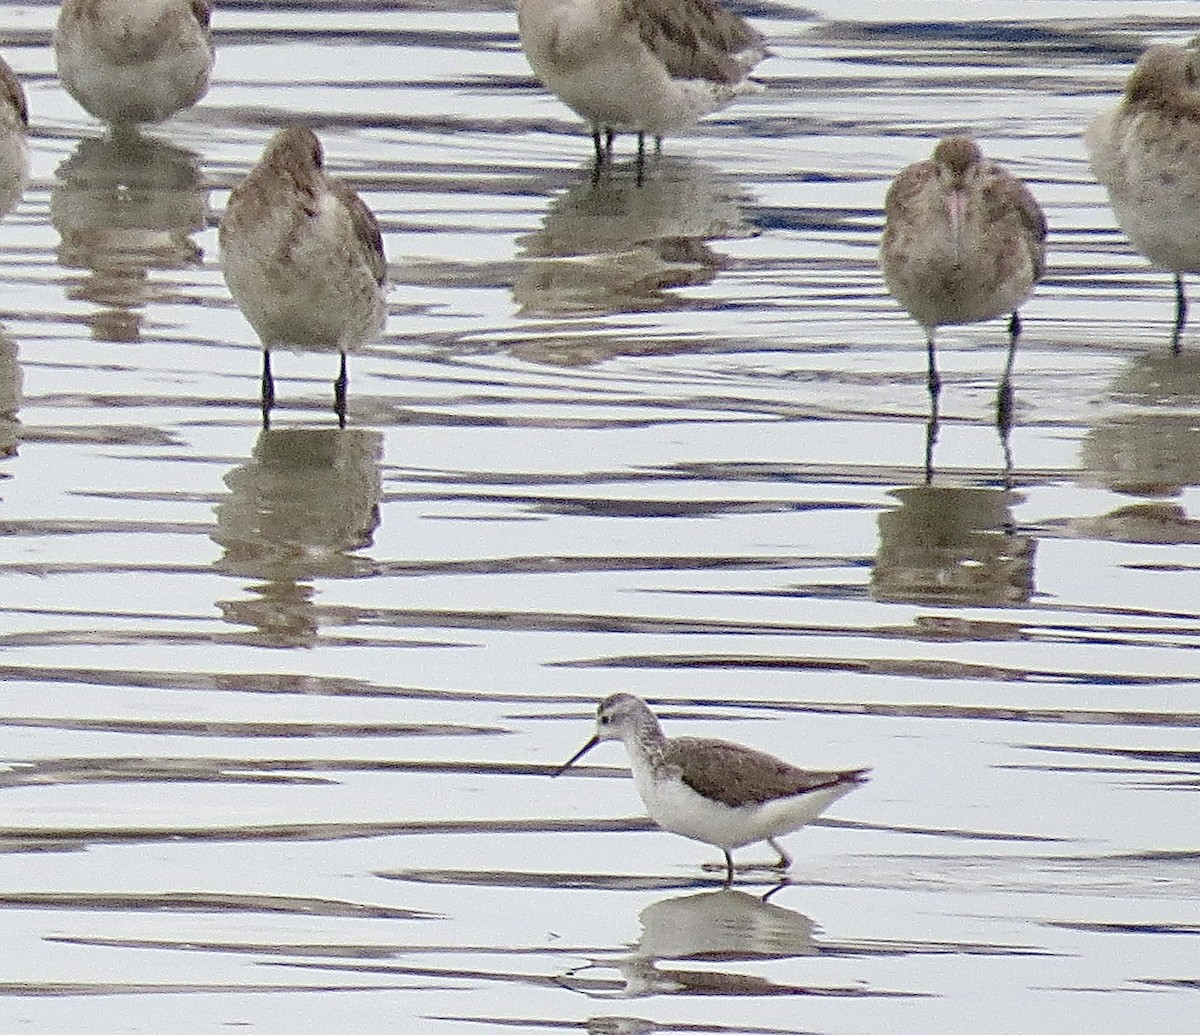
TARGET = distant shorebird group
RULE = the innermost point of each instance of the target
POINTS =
(963, 241)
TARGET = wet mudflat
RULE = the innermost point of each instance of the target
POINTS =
(278, 708)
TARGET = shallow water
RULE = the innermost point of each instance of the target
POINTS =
(278, 708)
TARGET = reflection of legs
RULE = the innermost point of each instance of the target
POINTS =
(267, 388)
(1004, 397)
(339, 393)
(1180, 315)
(934, 384)
(785, 860)
(728, 868)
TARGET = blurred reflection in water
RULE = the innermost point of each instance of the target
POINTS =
(609, 246)
(1153, 453)
(297, 511)
(125, 204)
(953, 546)
(10, 395)
(717, 926)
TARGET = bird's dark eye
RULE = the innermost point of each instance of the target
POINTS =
(605, 720)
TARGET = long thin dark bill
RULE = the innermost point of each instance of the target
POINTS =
(576, 757)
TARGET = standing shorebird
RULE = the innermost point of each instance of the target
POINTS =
(1144, 151)
(14, 147)
(715, 791)
(645, 66)
(134, 61)
(963, 241)
(303, 258)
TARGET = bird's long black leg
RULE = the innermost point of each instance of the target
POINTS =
(641, 157)
(1004, 397)
(785, 860)
(267, 388)
(728, 868)
(1180, 315)
(934, 384)
(609, 136)
(339, 393)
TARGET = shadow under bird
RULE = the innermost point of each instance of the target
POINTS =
(963, 241)
(1146, 153)
(715, 791)
(133, 61)
(641, 66)
(303, 258)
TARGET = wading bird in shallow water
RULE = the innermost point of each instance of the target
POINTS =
(303, 258)
(715, 791)
(963, 241)
(1146, 152)
(640, 66)
(134, 61)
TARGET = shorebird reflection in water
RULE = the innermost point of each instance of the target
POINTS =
(134, 61)
(641, 66)
(1144, 151)
(963, 241)
(303, 258)
(715, 791)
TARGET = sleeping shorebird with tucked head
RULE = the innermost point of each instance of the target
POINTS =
(134, 61)
(14, 146)
(715, 791)
(644, 66)
(963, 241)
(1144, 151)
(303, 257)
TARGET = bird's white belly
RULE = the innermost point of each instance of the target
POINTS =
(676, 807)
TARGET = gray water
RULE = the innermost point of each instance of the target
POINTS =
(278, 709)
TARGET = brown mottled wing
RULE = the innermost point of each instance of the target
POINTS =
(1007, 193)
(10, 89)
(202, 10)
(735, 775)
(366, 229)
(696, 39)
(908, 184)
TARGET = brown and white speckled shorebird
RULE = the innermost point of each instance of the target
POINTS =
(303, 257)
(643, 66)
(14, 146)
(963, 241)
(134, 61)
(1146, 152)
(715, 791)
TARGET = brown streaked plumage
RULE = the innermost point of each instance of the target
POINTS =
(963, 241)
(14, 146)
(645, 66)
(715, 791)
(1144, 151)
(134, 61)
(303, 257)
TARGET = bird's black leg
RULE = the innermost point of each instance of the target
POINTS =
(641, 157)
(785, 860)
(339, 393)
(728, 868)
(609, 135)
(1004, 397)
(1180, 315)
(267, 389)
(934, 384)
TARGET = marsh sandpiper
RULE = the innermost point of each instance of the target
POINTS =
(963, 241)
(715, 791)
(303, 257)
(644, 66)
(1144, 153)
(134, 61)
